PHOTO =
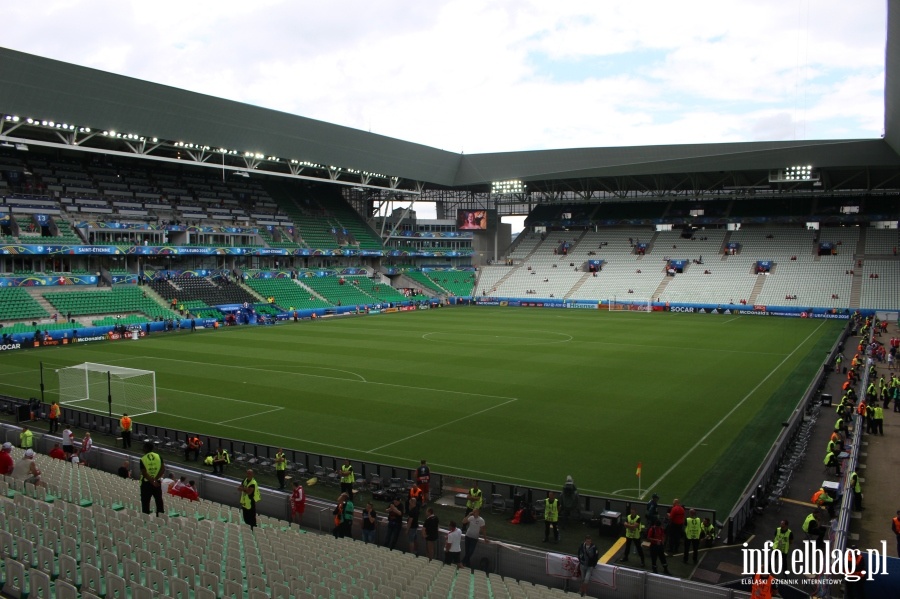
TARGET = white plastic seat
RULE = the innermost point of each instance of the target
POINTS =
(179, 588)
(116, 587)
(68, 570)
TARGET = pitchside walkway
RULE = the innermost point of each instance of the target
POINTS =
(880, 486)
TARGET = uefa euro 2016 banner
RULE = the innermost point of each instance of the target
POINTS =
(176, 250)
(42, 281)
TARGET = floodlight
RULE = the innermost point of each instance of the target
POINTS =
(794, 174)
(507, 187)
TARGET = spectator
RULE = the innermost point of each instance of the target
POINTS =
(656, 536)
(6, 461)
(298, 503)
(57, 453)
(395, 523)
(346, 525)
(412, 524)
(125, 470)
(653, 508)
(454, 538)
(166, 482)
(369, 519)
(26, 469)
(588, 556)
(87, 445)
(475, 529)
(431, 533)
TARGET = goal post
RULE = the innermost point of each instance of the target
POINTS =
(103, 387)
(619, 304)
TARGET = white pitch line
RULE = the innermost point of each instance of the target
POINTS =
(254, 403)
(18, 373)
(266, 433)
(250, 416)
(728, 415)
(334, 378)
(413, 436)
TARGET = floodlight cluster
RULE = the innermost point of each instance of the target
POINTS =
(507, 187)
(128, 136)
(798, 173)
(248, 155)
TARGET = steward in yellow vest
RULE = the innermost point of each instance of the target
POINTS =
(783, 538)
(249, 498)
(152, 469)
(474, 499)
(347, 478)
(280, 468)
(692, 529)
(633, 528)
(551, 517)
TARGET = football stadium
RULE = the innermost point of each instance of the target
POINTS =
(680, 334)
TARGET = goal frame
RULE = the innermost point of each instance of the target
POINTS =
(617, 304)
(116, 388)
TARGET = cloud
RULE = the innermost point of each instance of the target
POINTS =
(478, 77)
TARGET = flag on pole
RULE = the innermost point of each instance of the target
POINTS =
(638, 473)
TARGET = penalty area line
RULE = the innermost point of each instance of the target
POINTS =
(461, 418)
(250, 415)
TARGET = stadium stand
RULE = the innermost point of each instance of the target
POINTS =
(287, 293)
(17, 304)
(883, 292)
(353, 291)
(118, 300)
(452, 282)
(882, 241)
(190, 288)
(92, 540)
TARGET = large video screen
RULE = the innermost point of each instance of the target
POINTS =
(472, 220)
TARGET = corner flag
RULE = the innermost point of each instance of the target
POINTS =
(638, 474)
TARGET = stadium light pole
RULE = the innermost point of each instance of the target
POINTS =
(109, 391)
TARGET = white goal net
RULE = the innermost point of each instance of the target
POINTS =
(101, 388)
(629, 305)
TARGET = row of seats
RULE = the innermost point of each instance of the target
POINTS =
(118, 300)
(83, 536)
(186, 289)
(17, 304)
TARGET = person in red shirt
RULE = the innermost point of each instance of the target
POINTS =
(675, 529)
(656, 536)
(6, 461)
(298, 502)
(57, 453)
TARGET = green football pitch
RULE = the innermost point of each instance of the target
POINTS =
(514, 395)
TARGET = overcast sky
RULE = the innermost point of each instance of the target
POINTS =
(470, 76)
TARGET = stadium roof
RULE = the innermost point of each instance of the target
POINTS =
(43, 88)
